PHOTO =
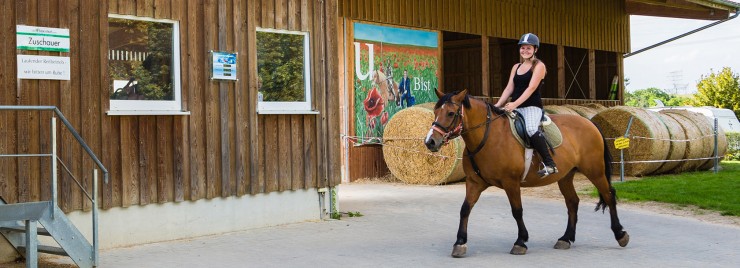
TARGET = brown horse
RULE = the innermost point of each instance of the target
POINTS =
(495, 158)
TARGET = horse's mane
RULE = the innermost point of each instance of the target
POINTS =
(448, 98)
(466, 102)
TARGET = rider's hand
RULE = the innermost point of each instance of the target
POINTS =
(510, 106)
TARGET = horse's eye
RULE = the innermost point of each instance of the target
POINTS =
(451, 114)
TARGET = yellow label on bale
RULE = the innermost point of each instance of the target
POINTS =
(622, 143)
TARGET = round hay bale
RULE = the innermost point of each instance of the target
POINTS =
(694, 147)
(654, 146)
(426, 105)
(678, 144)
(555, 109)
(596, 106)
(722, 144)
(583, 111)
(706, 137)
(408, 158)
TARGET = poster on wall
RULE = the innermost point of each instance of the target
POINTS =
(394, 68)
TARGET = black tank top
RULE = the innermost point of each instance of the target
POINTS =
(521, 82)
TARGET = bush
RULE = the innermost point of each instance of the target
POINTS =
(733, 146)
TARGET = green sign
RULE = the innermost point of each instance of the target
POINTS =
(42, 38)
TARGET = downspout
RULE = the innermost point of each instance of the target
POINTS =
(683, 35)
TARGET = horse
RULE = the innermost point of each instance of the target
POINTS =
(495, 158)
(386, 86)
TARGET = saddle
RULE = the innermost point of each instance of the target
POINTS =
(519, 130)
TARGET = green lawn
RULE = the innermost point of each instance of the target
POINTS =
(719, 192)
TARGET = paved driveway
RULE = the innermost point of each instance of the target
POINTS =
(415, 226)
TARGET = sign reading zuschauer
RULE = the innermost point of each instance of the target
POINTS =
(42, 38)
(43, 67)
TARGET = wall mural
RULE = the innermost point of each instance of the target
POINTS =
(394, 68)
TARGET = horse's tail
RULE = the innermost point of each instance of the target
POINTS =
(607, 173)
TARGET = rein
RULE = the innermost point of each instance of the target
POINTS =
(448, 134)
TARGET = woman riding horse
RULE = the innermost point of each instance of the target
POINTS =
(495, 158)
(524, 85)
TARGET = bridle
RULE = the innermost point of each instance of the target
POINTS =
(448, 133)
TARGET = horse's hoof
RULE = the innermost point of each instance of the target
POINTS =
(518, 250)
(458, 251)
(562, 244)
(624, 240)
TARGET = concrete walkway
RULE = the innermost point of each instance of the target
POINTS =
(415, 226)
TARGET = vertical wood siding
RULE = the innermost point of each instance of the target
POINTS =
(223, 148)
(599, 25)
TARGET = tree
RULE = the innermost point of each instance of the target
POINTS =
(721, 90)
(646, 98)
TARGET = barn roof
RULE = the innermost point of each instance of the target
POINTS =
(685, 9)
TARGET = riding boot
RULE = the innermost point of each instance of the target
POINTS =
(540, 144)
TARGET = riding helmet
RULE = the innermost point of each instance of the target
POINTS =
(529, 39)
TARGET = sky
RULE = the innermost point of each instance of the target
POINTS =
(401, 36)
(677, 66)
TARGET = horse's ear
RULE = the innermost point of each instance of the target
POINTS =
(459, 97)
(440, 94)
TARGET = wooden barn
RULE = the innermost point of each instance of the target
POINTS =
(198, 137)
(583, 45)
(211, 116)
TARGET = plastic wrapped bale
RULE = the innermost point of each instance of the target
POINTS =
(583, 111)
(648, 138)
(678, 144)
(555, 109)
(407, 157)
(694, 146)
(706, 126)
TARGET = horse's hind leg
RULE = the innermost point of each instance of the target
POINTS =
(607, 197)
(513, 192)
(473, 189)
(571, 201)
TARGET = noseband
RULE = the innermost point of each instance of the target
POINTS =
(449, 132)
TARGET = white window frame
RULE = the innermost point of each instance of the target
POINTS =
(152, 107)
(291, 107)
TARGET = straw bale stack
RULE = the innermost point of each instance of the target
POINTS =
(707, 137)
(677, 149)
(613, 123)
(693, 148)
(408, 158)
(583, 111)
(555, 109)
(596, 106)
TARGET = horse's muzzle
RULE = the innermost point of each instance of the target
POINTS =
(432, 144)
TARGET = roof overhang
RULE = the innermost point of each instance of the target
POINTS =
(685, 9)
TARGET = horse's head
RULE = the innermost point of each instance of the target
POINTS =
(448, 118)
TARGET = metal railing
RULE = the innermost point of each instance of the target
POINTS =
(54, 158)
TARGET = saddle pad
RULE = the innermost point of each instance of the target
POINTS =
(552, 133)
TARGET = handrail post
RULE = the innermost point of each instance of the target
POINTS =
(95, 216)
(53, 165)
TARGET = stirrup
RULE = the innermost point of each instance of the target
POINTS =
(544, 172)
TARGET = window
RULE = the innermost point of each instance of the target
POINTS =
(143, 65)
(283, 69)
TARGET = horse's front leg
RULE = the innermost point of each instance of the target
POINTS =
(473, 189)
(515, 200)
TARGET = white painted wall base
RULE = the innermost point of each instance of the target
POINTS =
(170, 221)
